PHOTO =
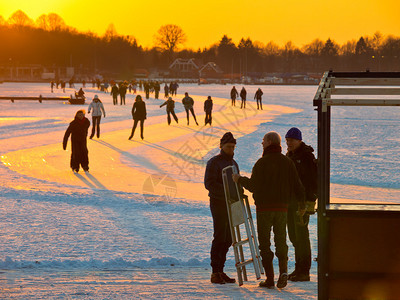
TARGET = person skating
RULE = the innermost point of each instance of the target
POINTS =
(258, 97)
(122, 92)
(156, 89)
(304, 160)
(213, 183)
(188, 104)
(273, 182)
(97, 106)
(208, 106)
(166, 90)
(170, 109)
(114, 93)
(78, 129)
(138, 114)
(243, 95)
(234, 95)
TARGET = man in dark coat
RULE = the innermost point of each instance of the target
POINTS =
(234, 95)
(114, 93)
(213, 183)
(258, 98)
(243, 94)
(208, 106)
(78, 129)
(304, 160)
(273, 182)
(138, 114)
(122, 92)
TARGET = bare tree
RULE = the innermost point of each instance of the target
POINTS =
(271, 48)
(19, 18)
(41, 22)
(55, 22)
(110, 33)
(314, 48)
(51, 22)
(169, 37)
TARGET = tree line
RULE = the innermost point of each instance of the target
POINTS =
(50, 42)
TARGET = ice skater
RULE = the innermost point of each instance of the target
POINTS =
(234, 95)
(243, 95)
(138, 114)
(188, 104)
(258, 96)
(170, 110)
(78, 129)
(97, 106)
(208, 106)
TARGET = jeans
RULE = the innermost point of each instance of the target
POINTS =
(95, 125)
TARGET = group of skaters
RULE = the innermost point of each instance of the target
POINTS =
(243, 95)
(78, 128)
(284, 189)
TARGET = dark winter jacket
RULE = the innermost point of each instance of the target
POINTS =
(114, 90)
(258, 94)
(306, 166)
(208, 105)
(213, 177)
(234, 93)
(122, 90)
(139, 110)
(274, 181)
(78, 129)
(188, 102)
(243, 94)
(170, 105)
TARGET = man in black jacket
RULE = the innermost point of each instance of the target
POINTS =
(273, 182)
(214, 184)
(304, 160)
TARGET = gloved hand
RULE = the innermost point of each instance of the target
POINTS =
(310, 207)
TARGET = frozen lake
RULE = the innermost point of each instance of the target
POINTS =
(138, 225)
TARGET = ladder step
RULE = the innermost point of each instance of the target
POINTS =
(241, 264)
(242, 242)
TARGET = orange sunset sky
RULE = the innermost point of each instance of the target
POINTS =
(206, 21)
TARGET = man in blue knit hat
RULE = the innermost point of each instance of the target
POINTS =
(304, 160)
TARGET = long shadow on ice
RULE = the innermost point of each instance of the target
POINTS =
(138, 160)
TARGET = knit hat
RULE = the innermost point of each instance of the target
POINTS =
(227, 138)
(95, 97)
(293, 133)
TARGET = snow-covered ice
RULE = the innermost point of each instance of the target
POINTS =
(138, 225)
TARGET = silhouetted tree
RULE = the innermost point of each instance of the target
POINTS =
(19, 18)
(226, 52)
(169, 37)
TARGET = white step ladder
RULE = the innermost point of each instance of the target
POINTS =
(239, 213)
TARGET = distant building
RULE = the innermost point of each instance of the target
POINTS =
(210, 70)
(192, 68)
(183, 67)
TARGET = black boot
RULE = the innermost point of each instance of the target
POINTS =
(216, 278)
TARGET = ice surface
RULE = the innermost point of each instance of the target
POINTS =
(138, 225)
